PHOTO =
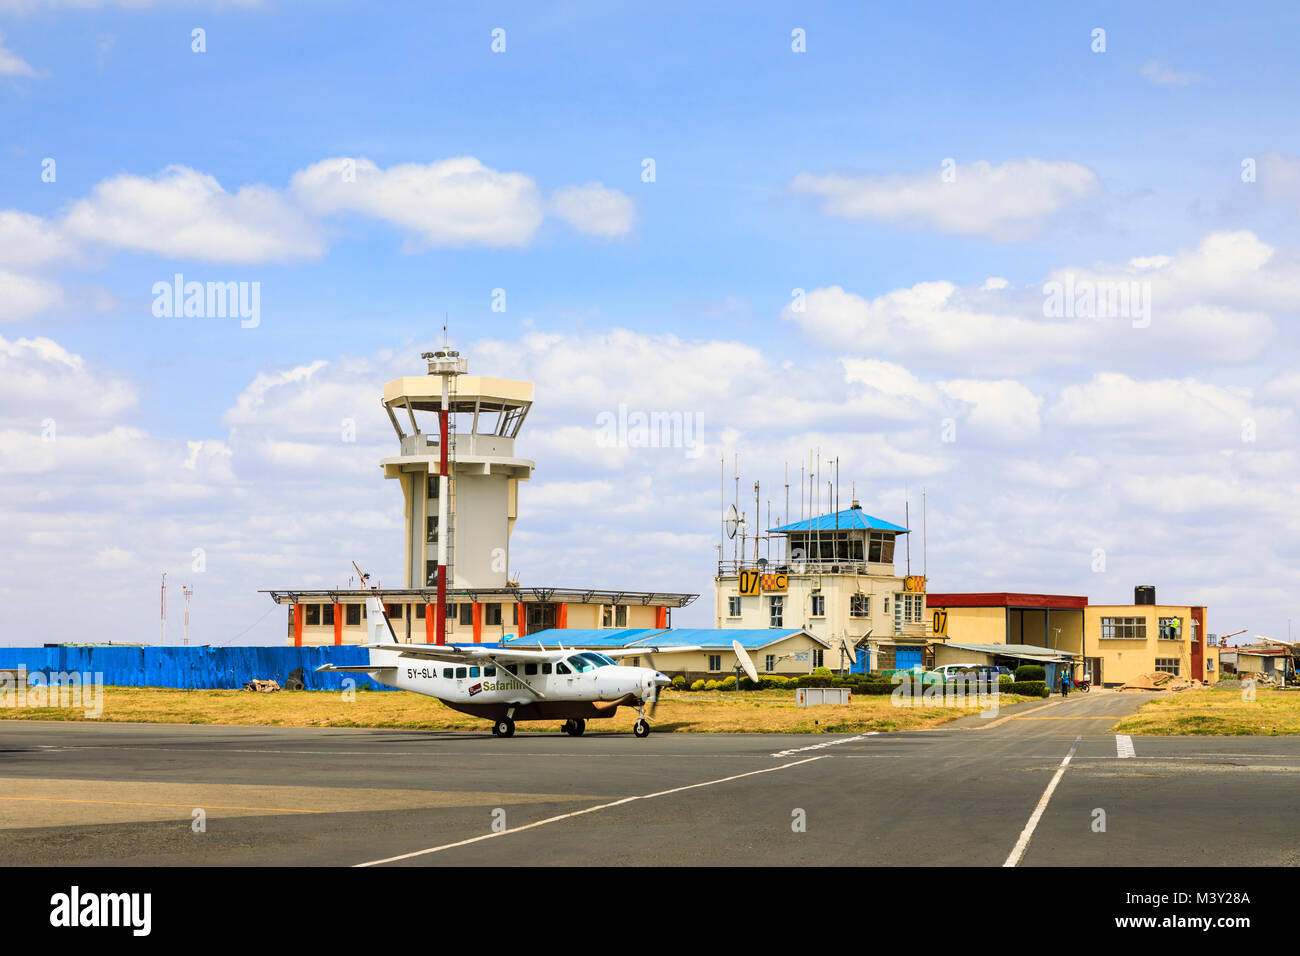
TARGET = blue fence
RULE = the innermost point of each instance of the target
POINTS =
(194, 667)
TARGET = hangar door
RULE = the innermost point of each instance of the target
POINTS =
(905, 657)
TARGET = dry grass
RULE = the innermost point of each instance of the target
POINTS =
(1216, 713)
(698, 712)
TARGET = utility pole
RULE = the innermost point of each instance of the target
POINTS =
(187, 590)
(162, 636)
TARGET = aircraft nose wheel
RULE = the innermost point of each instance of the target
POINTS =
(505, 727)
(574, 728)
(641, 728)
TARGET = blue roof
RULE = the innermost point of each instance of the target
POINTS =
(851, 519)
(709, 637)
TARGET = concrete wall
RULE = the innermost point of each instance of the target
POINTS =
(1122, 659)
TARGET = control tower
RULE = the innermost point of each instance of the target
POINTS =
(458, 471)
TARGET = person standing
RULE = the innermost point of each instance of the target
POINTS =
(1065, 682)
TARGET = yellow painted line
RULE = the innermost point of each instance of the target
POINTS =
(128, 803)
(1102, 717)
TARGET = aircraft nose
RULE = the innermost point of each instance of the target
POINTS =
(661, 680)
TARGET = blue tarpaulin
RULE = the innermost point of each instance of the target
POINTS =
(193, 667)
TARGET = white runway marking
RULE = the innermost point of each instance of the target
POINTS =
(826, 743)
(1124, 746)
(1023, 843)
(578, 813)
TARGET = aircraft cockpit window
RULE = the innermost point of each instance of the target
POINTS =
(580, 664)
(599, 660)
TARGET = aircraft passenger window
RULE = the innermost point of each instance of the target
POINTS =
(446, 672)
(530, 669)
(489, 672)
(546, 668)
(561, 669)
(460, 672)
(473, 672)
(513, 668)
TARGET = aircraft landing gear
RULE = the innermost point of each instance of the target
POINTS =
(505, 727)
(574, 727)
(641, 728)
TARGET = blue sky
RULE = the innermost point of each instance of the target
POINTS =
(775, 170)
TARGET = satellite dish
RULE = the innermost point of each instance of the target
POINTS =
(733, 522)
(748, 665)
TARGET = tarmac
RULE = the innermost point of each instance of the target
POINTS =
(1043, 783)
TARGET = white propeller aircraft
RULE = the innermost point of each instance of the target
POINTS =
(505, 685)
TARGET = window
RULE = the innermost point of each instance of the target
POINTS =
(430, 574)
(733, 607)
(600, 660)
(776, 611)
(1209, 664)
(451, 611)
(419, 612)
(460, 673)
(561, 669)
(581, 664)
(1123, 629)
(354, 614)
(1171, 629)
(769, 663)
(446, 673)
(607, 615)
(546, 668)
(313, 614)
(514, 613)
(467, 614)
(394, 611)
(540, 617)
(530, 670)
(492, 614)
(881, 547)
(886, 605)
(819, 605)
(327, 614)
(431, 529)
(819, 657)
(1168, 665)
(433, 486)
(860, 605)
(473, 672)
(489, 672)
(715, 662)
(620, 615)
(513, 668)
(907, 610)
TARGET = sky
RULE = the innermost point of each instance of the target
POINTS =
(1038, 262)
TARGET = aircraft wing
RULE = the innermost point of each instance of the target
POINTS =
(353, 668)
(644, 649)
(470, 653)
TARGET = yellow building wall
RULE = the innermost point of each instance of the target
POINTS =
(976, 625)
(1122, 659)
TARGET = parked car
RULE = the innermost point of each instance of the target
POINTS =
(951, 672)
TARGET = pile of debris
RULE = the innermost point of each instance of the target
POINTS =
(1159, 680)
(262, 686)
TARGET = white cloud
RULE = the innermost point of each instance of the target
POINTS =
(41, 379)
(23, 296)
(1163, 75)
(1005, 410)
(187, 215)
(1217, 301)
(1006, 201)
(27, 240)
(594, 209)
(450, 202)
(11, 64)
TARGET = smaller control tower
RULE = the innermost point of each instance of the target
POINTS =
(458, 472)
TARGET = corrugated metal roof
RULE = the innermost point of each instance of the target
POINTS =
(707, 637)
(851, 519)
(1013, 650)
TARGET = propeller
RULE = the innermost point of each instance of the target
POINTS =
(655, 688)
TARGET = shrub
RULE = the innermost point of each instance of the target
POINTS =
(821, 672)
(711, 685)
(679, 682)
(697, 685)
(727, 683)
(1027, 688)
(774, 682)
(1030, 672)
